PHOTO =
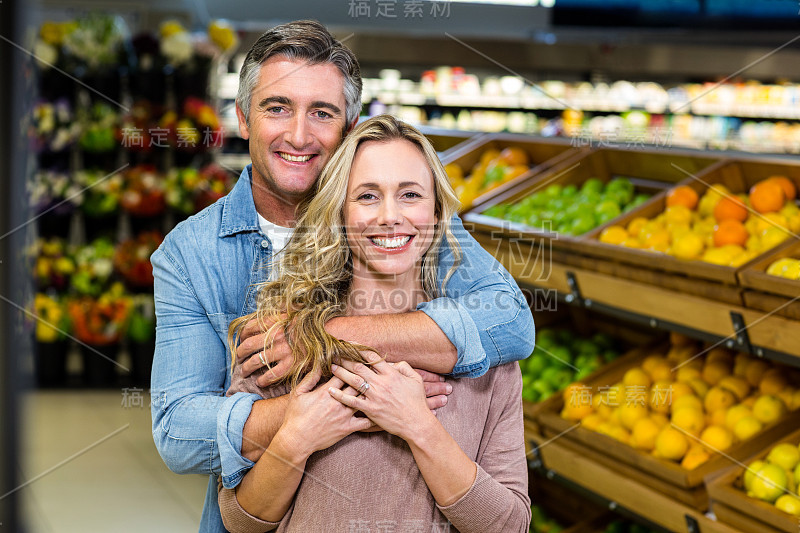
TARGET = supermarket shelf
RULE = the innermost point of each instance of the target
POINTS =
(619, 493)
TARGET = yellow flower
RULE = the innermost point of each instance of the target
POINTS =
(49, 312)
(222, 35)
(51, 33)
(170, 27)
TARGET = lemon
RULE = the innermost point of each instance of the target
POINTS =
(689, 419)
(714, 371)
(671, 444)
(769, 409)
(659, 419)
(773, 236)
(717, 399)
(784, 455)
(736, 413)
(768, 484)
(696, 456)
(755, 371)
(687, 373)
(750, 473)
(592, 421)
(651, 361)
(772, 382)
(788, 504)
(683, 402)
(746, 427)
(678, 215)
(699, 387)
(723, 355)
(661, 395)
(636, 377)
(630, 414)
(636, 225)
(644, 434)
(688, 246)
(613, 235)
(717, 438)
(737, 385)
(778, 267)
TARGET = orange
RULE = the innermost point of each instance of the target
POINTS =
(772, 382)
(715, 371)
(514, 155)
(690, 420)
(730, 207)
(682, 195)
(717, 438)
(718, 398)
(767, 196)
(671, 444)
(730, 231)
(789, 190)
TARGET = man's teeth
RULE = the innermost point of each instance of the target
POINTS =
(295, 158)
(395, 242)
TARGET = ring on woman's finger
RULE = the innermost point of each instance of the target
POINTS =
(261, 358)
(363, 388)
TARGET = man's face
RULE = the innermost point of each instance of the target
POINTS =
(297, 119)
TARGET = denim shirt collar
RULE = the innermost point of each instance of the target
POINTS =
(239, 209)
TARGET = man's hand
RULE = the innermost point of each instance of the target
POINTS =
(436, 390)
(250, 352)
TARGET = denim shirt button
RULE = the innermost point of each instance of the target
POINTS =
(265, 243)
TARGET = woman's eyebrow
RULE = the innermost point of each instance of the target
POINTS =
(372, 185)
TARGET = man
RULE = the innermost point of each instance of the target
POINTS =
(299, 94)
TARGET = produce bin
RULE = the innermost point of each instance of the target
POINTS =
(734, 507)
(650, 171)
(681, 484)
(769, 293)
(543, 153)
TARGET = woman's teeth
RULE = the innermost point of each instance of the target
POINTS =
(395, 242)
(295, 158)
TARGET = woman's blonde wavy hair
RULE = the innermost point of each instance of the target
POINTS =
(316, 265)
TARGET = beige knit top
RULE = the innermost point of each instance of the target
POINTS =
(369, 482)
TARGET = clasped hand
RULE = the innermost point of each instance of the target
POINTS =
(250, 352)
(392, 394)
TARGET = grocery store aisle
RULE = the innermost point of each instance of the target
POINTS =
(90, 464)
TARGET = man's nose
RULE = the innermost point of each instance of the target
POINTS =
(298, 135)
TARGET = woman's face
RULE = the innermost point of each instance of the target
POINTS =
(389, 210)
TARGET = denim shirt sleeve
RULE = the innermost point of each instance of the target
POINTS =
(195, 428)
(484, 313)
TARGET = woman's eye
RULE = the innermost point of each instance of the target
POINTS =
(367, 196)
(412, 195)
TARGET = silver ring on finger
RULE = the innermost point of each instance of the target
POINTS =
(261, 358)
(363, 388)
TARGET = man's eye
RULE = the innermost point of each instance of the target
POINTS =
(323, 114)
(275, 110)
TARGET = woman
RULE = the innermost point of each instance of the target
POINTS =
(464, 464)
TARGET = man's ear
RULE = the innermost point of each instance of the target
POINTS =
(244, 131)
(350, 127)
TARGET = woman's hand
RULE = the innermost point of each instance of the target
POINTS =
(314, 421)
(394, 399)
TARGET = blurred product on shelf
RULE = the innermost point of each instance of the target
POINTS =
(561, 357)
(570, 209)
(699, 115)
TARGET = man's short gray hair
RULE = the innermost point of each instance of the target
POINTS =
(301, 40)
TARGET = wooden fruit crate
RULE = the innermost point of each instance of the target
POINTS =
(734, 507)
(772, 293)
(736, 175)
(649, 170)
(544, 153)
(668, 477)
(627, 335)
(578, 515)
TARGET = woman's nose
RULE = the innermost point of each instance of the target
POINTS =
(389, 213)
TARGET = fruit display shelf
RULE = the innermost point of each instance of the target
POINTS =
(623, 494)
(733, 506)
(770, 293)
(649, 171)
(678, 481)
(738, 176)
(542, 155)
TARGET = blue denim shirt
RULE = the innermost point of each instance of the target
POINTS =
(206, 274)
